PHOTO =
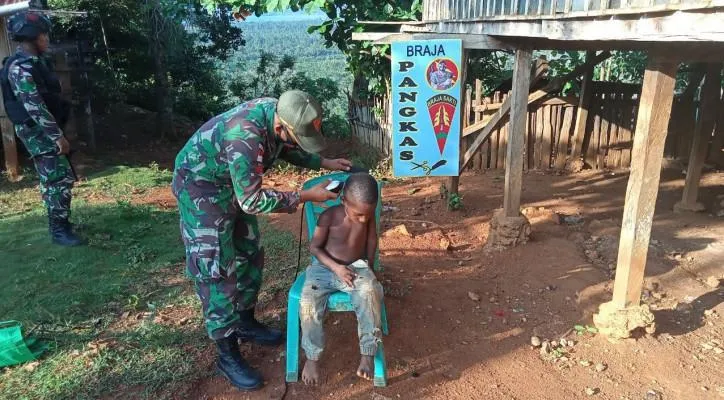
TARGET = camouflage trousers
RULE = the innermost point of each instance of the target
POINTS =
(56, 181)
(225, 261)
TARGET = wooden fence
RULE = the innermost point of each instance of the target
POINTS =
(610, 126)
(549, 142)
(370, 123)
(607, 137)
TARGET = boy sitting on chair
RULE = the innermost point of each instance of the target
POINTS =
(345, 236)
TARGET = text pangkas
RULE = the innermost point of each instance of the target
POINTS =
(407, 101)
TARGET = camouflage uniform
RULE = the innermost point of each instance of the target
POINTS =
(218, 183)
(55, 172)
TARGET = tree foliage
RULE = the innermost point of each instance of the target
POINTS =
(274, 75)
(192, 38)
(363, 58)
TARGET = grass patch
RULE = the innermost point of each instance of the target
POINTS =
(118, 182)
(73, 298)
(122, 181)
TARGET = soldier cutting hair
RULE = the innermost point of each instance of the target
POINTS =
(31, 94)
(218, 184)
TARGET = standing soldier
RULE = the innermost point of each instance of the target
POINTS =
(31, 94)
(218, 184)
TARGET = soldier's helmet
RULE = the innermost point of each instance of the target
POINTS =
(25, 26)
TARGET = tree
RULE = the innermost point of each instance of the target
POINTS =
(159, 27)
(180, 40)
(364, 59)
(275, 75)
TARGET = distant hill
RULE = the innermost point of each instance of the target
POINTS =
(286, 34)
(286, 16)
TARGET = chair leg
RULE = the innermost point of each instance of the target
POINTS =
(385, 327)
(380, 379)
(293, 340)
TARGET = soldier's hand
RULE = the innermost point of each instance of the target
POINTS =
(63, 145)
(337, 164)
(317, 193)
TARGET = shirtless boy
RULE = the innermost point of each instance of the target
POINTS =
(344, 246)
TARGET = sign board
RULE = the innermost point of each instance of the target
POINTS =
(426, 104)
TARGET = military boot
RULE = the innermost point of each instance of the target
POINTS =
(234, 367)
(61, 232)
(255, 331)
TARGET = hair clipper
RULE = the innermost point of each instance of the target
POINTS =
(335, 186)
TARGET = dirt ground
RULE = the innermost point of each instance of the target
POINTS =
(461, 320)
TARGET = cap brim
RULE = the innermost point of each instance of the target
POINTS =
(313, 143)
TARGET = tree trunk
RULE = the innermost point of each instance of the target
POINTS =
(160, 73)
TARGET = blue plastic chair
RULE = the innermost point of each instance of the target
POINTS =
(338, 301)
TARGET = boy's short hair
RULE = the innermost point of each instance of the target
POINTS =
(361, 187)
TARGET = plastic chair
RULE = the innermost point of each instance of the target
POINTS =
(338, 301)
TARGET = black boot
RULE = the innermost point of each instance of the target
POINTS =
(73, 227)
(61, 232)
(234, 367)
(255, 331)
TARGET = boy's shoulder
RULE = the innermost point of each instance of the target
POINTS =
(330, 215)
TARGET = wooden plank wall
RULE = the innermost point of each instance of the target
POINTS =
(608, 136)
(611, 123)
(550, 126)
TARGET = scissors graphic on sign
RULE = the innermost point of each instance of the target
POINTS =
(426, 168)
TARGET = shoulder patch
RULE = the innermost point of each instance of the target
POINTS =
(259, 167)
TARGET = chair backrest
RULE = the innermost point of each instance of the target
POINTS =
(312, 211)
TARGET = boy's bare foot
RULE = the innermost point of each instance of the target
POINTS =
(310, 373)
(366, 368)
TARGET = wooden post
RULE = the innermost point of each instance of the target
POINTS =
(603, 141)
(516, 139)
(503, 142)
(464, 142)
(547, 145)
(453, 182)
(715, 152)
(657, 95)
(495, 140)
(539, 129)
(614, 152)
(10, 148)
(685, 122)
(478, 160)
(702, 133)
(579, 130)
(7, 129)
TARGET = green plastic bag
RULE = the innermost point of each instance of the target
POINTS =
(13, 348)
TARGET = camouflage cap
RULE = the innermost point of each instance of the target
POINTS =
(302, 115)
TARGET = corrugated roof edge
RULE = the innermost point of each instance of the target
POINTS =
(8, 7)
